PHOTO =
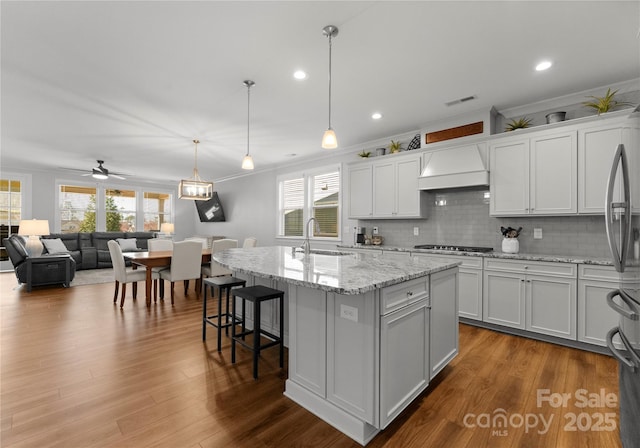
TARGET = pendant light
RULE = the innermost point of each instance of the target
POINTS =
(329, 140)
(247, 162)
(195, 188)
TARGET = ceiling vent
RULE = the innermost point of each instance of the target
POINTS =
(461, 100)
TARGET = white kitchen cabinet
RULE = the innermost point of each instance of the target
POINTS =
(386, 188)
(308, 335)
(534, 175)
(404, 358)
(360, 191)
(597, 144)
(395, 188)
(595, 316)
(469, 283)
(350, 353)
(443, 296)
(534, 296)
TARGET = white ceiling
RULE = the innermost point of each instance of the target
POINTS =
(134, 83)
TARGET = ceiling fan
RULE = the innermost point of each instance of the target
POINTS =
(100, 172)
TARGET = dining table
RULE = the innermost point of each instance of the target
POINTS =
(156, 259)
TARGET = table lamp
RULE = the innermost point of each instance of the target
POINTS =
(34, 228)
(167, 228)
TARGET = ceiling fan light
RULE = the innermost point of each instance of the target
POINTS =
(329, 140)
(99, 175)
(247, 162)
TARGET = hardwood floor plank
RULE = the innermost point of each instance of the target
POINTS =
(77, 371)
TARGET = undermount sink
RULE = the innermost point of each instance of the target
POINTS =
(325, 252)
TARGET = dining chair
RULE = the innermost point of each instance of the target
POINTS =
(122, 274)
(203, 241)
(154, 245)
(186, 264)
(215, 269)
(249, 242)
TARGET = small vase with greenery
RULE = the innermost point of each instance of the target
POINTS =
(364, 154)
(605, 103)
(519, 123)
(395, 146)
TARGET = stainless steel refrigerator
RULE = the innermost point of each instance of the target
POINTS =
(624, 340)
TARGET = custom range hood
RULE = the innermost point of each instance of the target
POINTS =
(462, 166)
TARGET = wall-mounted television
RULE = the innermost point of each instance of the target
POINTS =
(211, 210)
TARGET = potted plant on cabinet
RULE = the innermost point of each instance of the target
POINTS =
(605, 103)
(395, 146)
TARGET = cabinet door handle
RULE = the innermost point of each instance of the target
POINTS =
(409, 293)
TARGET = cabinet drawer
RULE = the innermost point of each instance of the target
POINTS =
(467, 261)
(531, 267)
(397, 296)
(603, 273)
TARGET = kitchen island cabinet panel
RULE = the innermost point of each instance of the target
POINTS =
(307, 341)
(351, 336)
(404, 358)
(443, 292)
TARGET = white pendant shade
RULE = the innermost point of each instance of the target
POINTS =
(329, 140)
(247, 162)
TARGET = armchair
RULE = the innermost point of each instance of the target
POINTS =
(38, 271)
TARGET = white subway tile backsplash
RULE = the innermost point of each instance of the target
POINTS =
(462, 217)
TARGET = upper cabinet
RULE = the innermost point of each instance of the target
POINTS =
(386, 188)
(597, 145)
(534, 175)
(359, 191)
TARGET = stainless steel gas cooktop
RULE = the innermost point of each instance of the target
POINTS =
(454, 247)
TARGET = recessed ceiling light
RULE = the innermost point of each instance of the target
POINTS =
(376, 115)
(300, 74)
(543, 66)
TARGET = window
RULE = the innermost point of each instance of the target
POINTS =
(85, 208)
(120, 207)
(10, 211)
(77, 206)
(309, 195)
(157, 210)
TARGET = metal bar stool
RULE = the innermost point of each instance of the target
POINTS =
(256, 294)
(215, 320)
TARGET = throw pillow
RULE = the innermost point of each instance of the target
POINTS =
(127, 244)
(54, 246)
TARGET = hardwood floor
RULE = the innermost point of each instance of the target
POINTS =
(77, 371)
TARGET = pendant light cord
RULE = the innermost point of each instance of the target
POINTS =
(248, 112)
(196, 176)
(329, 80)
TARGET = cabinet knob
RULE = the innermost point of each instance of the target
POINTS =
(409, 293)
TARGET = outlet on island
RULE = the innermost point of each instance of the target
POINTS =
(348, 312)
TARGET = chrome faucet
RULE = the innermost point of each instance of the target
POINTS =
(306, 247)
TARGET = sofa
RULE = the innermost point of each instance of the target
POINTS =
(90, 250)
(48, 269)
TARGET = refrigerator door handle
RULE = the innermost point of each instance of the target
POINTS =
(632, 313)
(632, 363)
(619, 249)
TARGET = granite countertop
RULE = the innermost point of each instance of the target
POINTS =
(347, 273)
(520, 256)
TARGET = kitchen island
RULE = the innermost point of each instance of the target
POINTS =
(366, 332)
